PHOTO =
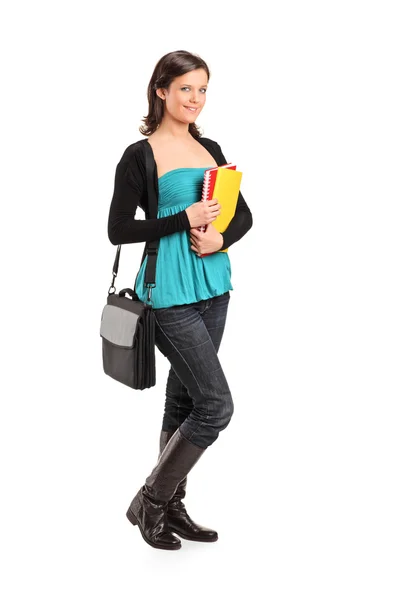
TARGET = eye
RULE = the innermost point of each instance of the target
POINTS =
(187, 88)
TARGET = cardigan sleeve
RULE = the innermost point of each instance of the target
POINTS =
(129, 193)
(242, 220)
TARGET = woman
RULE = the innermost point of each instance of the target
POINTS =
(191, 296)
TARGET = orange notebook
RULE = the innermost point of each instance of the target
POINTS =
(222, 183)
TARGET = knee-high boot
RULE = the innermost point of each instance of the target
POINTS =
(148, 507)
(178, 520)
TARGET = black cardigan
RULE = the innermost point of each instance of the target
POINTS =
(130, 191)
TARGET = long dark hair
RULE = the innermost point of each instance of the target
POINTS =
(171, 65)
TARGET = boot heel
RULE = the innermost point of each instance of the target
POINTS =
(131, 517)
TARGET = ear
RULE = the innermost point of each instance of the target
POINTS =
(160, 93)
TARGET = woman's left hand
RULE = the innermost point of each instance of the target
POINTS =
(206, 242)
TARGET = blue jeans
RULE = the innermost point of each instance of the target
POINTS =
(198, 399)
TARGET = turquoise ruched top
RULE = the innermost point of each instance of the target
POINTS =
(182, 277)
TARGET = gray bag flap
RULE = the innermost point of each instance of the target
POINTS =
(118, 325)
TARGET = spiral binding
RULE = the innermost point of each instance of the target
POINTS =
(205, 192)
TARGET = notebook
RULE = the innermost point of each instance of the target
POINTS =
(222, 183)
(209, 182)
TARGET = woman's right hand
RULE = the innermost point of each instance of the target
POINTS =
(203, 212)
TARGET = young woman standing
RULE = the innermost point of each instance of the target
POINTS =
(192, 293)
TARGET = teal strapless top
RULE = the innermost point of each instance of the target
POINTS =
(182, 277)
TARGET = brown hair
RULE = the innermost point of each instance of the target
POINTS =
(171, 65)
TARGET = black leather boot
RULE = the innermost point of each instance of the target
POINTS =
(148, 508)
(177, 518)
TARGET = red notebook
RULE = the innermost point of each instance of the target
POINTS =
(208, 185)
(208, 188)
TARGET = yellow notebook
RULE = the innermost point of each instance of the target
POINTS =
(226, 191)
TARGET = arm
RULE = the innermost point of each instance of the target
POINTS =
(129, 193)
(241, 222)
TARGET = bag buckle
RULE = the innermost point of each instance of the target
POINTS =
(150, 286)
(112, 284)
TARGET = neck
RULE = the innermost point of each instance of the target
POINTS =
(171, 129)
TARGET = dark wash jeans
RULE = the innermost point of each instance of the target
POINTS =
(198, 399)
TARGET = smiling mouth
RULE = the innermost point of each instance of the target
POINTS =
(191, 108)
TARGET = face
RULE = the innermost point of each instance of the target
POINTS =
(186, 92)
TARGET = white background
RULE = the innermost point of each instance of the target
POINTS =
(303, 486)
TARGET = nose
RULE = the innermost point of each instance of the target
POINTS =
(195, 97)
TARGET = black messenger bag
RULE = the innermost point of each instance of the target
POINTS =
(127, 324)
